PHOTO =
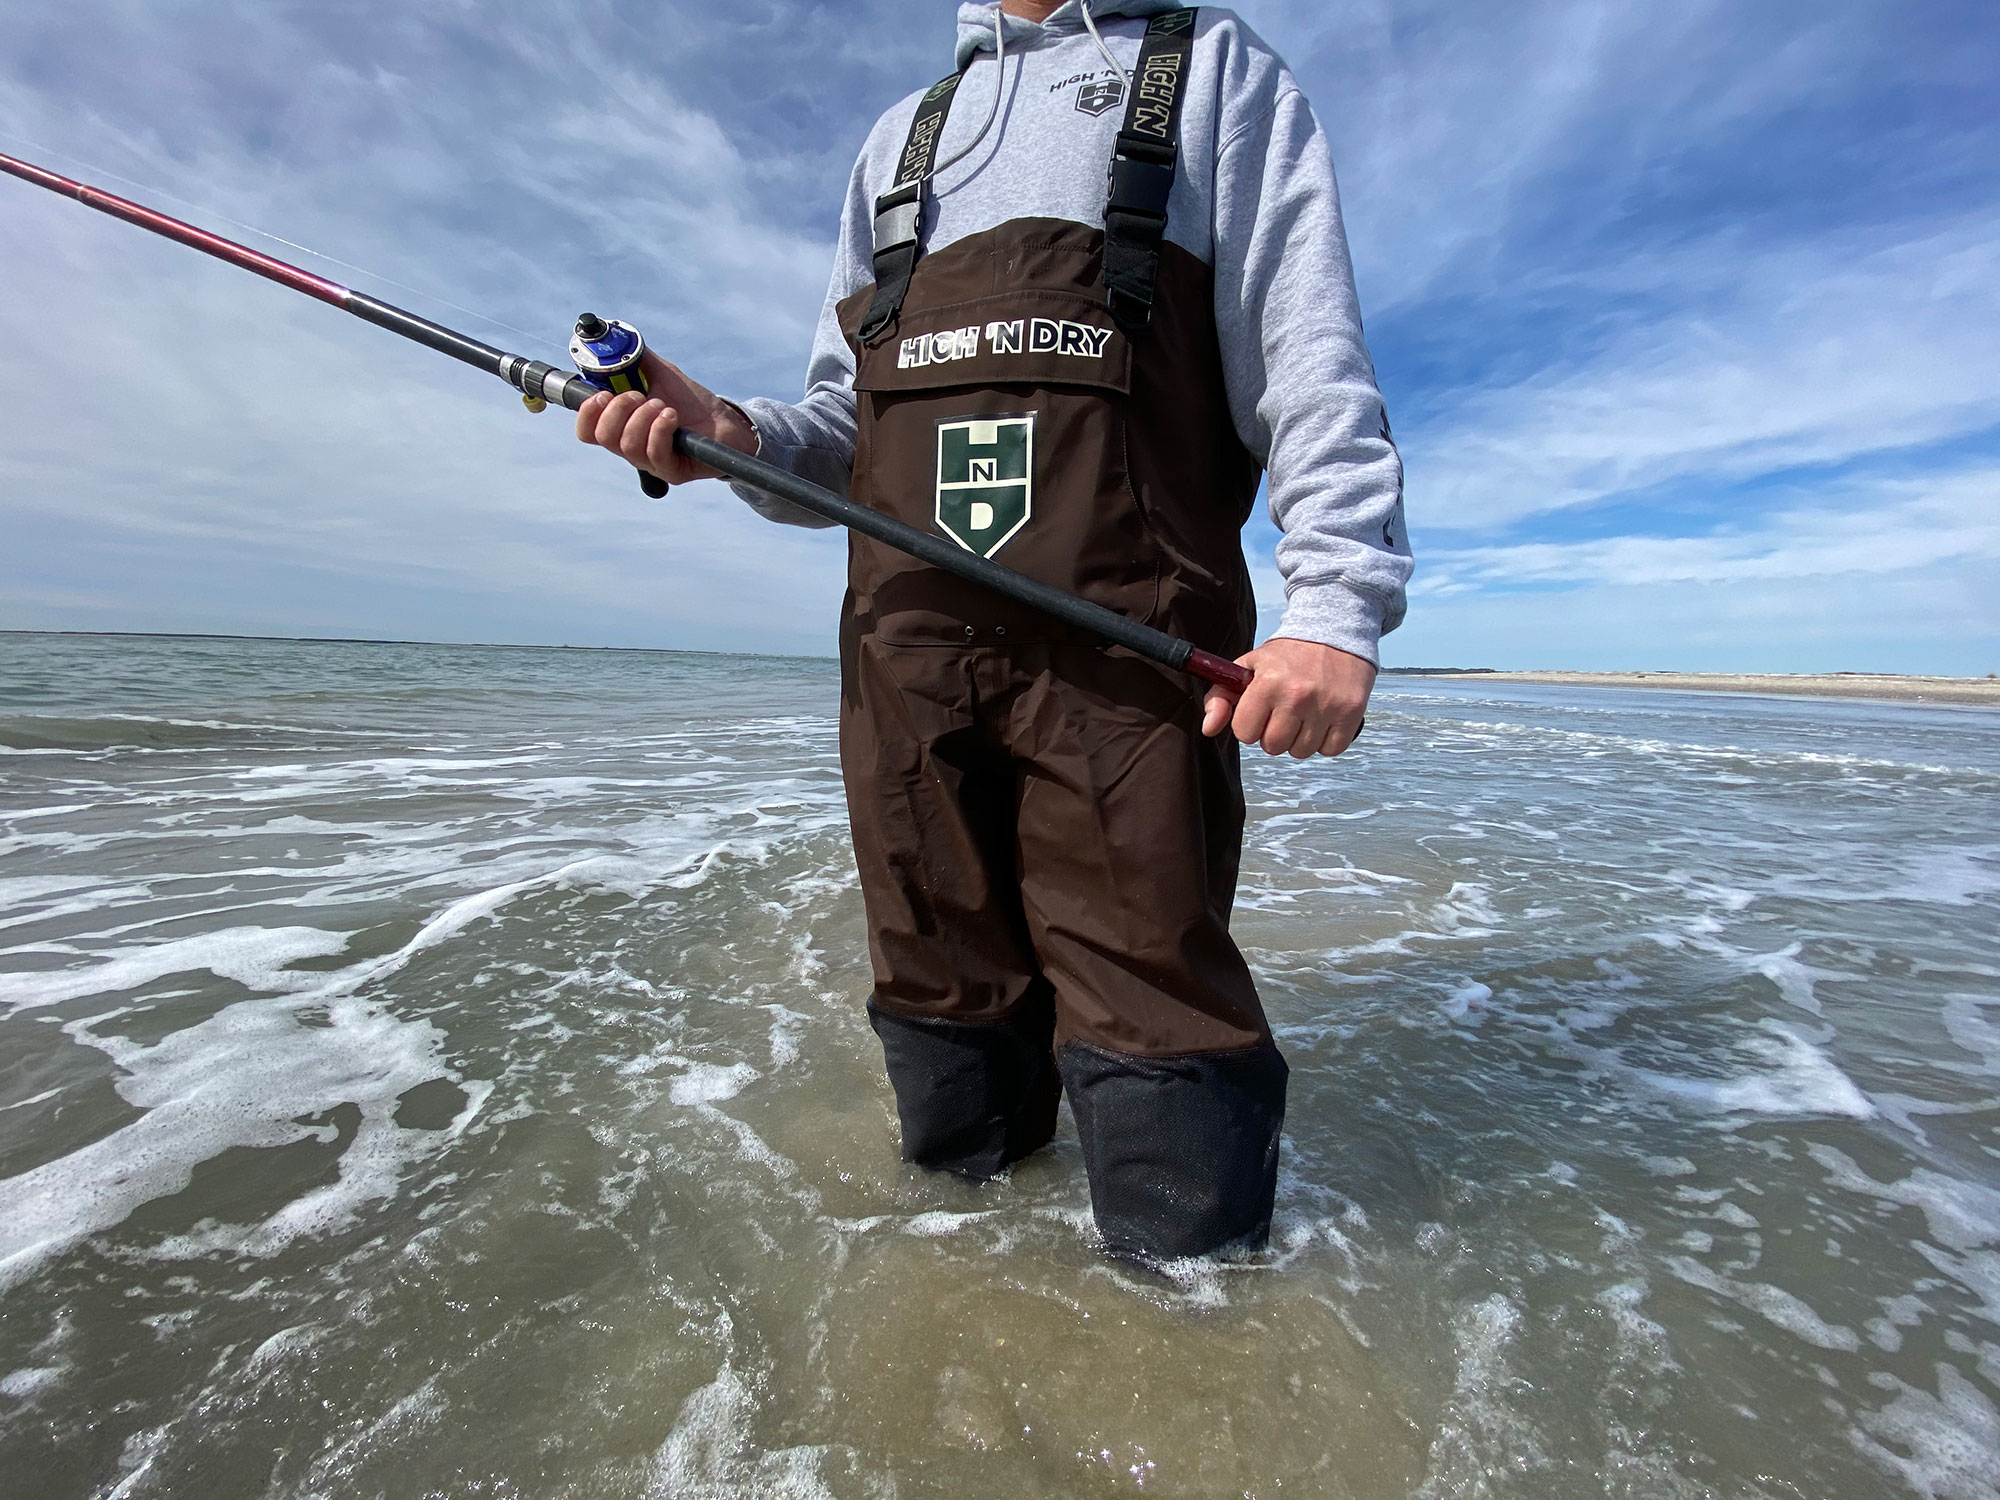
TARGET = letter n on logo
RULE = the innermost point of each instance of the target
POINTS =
(985, 480)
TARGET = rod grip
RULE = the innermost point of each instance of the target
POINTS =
(1219, 671)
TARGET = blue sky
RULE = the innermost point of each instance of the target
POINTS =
(1688, 315)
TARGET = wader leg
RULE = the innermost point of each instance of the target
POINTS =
(965, 1018)
(1131, 829)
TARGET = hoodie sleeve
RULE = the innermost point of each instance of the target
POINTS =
(815, 437)
(1301, 385)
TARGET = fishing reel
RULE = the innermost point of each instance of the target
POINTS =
(607, 355)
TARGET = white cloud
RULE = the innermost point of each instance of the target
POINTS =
(1886, 526)
(1760, 363)
(1457, 127)
(1875, 575)
(1942, 619)
(207, 451)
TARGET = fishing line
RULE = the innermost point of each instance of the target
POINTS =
(332, 260)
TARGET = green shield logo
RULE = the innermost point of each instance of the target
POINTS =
(985, 483)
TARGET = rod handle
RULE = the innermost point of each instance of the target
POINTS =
(655, 488)
(1219, 671)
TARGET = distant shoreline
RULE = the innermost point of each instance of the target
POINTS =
(389, 640)
(1882, 687)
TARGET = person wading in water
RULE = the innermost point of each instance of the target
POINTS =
(1084, 384)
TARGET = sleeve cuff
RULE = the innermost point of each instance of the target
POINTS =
(780, 455)
(1333, 614)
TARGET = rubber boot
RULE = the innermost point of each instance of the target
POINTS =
(973, 1099)
(1182, 1152)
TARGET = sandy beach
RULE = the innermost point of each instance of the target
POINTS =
(1979, 691)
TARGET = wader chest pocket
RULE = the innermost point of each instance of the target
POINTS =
(999, 422)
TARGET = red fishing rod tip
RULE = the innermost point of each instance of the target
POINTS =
(282, 272)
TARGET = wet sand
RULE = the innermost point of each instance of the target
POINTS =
(1885, 687)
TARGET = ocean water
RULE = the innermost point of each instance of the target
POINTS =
(441, 1071)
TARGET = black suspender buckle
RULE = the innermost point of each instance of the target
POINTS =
(1138, 207)
(1142, 178)
(899, 213)
(899, 217)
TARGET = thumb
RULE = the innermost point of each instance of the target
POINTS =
(658, 372)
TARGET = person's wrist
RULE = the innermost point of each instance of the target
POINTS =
(733, 426)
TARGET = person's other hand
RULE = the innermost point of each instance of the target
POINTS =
(1306, 700)
(640, 428)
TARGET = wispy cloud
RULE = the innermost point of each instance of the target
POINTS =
(243, 439)
(1887, 526)
(1751, 362)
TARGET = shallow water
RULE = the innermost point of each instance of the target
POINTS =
(441, 1071)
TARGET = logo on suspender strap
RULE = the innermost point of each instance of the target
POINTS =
(1142, 171)
(1156, 85)
(985, 480)
(921, 148)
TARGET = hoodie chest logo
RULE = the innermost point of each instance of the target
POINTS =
(1095, 98)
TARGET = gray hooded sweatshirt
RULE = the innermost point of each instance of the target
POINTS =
(1255, 198)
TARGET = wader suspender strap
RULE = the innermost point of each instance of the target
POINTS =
(899, 213)
(1142, 171)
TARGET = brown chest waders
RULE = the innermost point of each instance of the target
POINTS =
(1047, 843)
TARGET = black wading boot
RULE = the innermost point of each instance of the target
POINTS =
(974, 1099)
(1182, 1152)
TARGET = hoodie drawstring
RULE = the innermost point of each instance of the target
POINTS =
(1090, 25)
(999, 87)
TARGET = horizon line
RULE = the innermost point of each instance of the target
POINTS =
(360, 640)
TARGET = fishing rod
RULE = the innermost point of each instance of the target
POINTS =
(542, 384)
